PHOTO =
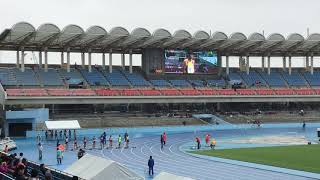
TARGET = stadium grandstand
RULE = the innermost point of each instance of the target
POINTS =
(180, 73)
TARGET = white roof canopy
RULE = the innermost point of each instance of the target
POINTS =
(92, 167)
(69, 124)
(166, 176)
(96, 39)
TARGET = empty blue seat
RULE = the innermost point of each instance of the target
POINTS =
(216, 83)
(116, 78)
(7, 77)
(26, 78)
(274, 79)
(50, 78)
(179, 83)
(295, 79)
(94, 78)
(253, 78)
(160, 83)
(136, 79)
(314, 80)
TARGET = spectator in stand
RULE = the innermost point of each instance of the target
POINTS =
(6, 149)
(20, 156)
(4, 167)
(34, 175)
(20, 173)
(48, 175)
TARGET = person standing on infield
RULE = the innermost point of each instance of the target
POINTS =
(150, 165)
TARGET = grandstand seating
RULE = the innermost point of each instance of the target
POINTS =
(26, 78)
(264, 91)
(313, 80)
(129, 92)
(150, 92)
(190, 92)
(107, 92)
(294, 80)
(208, 92)
(283, 91)
(94, 78)
(216, 83)
(253, 79)
(135, 79)
(71, 92)
(234, 76)
(27, 92)
(317, 91)
(7, 77)
(180, 83)
(304, 91)
(116, 78)
(226, 92)
(50, 78)
(246, 91)
(197, 83)
(170, 92)
(160, 83)
(274, 79)
(72, 77)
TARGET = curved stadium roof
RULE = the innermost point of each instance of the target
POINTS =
(118, 39)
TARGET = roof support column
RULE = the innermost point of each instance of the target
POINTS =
(247, 64)
(22, 59)
(83, 58)
(40, 59)
(68, 60)
(227, 65)
(240, 62)
(103, 60)
(89, 61)
(311, 65)
(62, 59)
(284, 63)
(110, 61)
(18, 59)
(123, 61)
(262, 63)
(46, 60)
(130, 62)
(307, 63)
(290, 69)
(268, 64)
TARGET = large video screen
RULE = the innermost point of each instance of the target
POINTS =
(197, 62)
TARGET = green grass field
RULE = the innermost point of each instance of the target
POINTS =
(302, 157)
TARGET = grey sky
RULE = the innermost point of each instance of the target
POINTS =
(247, 16)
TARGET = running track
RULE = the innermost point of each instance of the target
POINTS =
(172, 159)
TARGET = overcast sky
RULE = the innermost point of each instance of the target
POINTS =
(247, 16)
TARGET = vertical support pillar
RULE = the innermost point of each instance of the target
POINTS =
(247, 64)
(130, 62)
(110, 61)
(89, 61)
(284, 63)
(103, 60)
(268, 63)
(307, 62)
(22, 59)
(290, 69)
(62, 59)
(46, 60)
(40, 59)
(311, 65)
(262, 63)
(227, 65)
(83, 58)
(123, 61)
(240, 62)
(68, 60)
(18, 59)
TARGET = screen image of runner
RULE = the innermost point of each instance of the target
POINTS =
(198, 62)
